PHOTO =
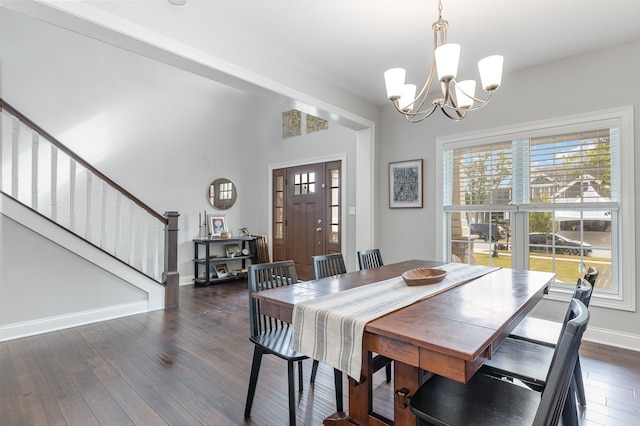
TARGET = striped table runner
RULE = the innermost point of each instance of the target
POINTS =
(330, 328)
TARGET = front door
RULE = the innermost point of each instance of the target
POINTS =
(306, 213)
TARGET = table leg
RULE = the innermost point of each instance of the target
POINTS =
(406, 381)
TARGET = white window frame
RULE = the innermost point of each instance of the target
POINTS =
(625, 298)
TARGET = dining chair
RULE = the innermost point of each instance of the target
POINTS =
(327, 265)
(487, 400)
(272, 336)
(546, 332)
(368, 259)
(543, 331)
(530, 362)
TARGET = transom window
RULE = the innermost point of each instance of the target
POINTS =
(546, 197)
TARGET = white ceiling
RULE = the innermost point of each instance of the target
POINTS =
(352, 42)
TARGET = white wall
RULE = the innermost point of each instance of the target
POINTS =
(161, 132)
(590, 82)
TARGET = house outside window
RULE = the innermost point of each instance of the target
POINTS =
(546, 196)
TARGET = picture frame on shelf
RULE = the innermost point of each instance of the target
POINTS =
(222, 270)
(233, 250)
(217, 225)
(405, 184)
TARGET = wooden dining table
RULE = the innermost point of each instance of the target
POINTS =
(449, 334)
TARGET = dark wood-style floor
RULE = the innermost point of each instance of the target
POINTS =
(190, 366)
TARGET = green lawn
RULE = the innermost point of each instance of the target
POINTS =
(566, 266)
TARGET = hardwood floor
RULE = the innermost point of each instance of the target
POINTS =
(190, 366)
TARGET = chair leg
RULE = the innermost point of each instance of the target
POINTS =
(300, 386)
(570, 411)
(337, 378)
(253, 380)
(314, 370)
(579, 383)
(388, 370)
(292, 394)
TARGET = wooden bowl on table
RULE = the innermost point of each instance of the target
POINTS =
(424, 276)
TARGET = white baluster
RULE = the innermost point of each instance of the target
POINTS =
(144, 246)
(15, 153)
(132, 233)
(35, 141)
(103, 222)
(87, 227)
(72, 195)
(116, 250)
(54, 183)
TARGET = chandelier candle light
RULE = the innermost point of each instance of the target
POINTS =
(458, 96)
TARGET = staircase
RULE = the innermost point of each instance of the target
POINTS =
(57, 196)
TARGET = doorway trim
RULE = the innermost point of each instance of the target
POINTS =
(295, 163)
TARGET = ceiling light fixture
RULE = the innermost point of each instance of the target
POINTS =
(178, 2)
(458, 96)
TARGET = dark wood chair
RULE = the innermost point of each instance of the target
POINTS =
(368, 259)
(327, 265)
(271, 336)
(530, 362)
(487, 400)
(543, 331)
(546, 332)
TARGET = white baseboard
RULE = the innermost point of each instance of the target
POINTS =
(46, 325)
(612, 338)
(186, 280)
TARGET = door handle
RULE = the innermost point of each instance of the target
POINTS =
(318, 229)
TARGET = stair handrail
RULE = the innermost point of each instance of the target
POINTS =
(170, 275)
(26, 120)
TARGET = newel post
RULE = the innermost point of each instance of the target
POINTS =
(170, 275)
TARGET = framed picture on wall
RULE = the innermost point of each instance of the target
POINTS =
(217, 225)
(405, 184)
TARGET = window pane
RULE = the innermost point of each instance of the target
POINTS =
(481, 175)
(279, 214)
(312, 177)
(279, 199)
(335, 215)
(481, 238)
(312, 188)
(296, 179)
(335, 234)
(335, 177)
(279, 183)
(567, 243)
(279, 233)
(335, 196)
(571, 168)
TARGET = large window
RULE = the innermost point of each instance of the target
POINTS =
(547, 197)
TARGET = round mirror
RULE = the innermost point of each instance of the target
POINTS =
(222, 194)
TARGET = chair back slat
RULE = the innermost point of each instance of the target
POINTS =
(327, 265)
(368, 259)
(264, 276)
(562, 366)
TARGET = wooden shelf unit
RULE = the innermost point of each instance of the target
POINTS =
(204, 260)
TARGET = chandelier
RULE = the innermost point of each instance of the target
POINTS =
(458, 97)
